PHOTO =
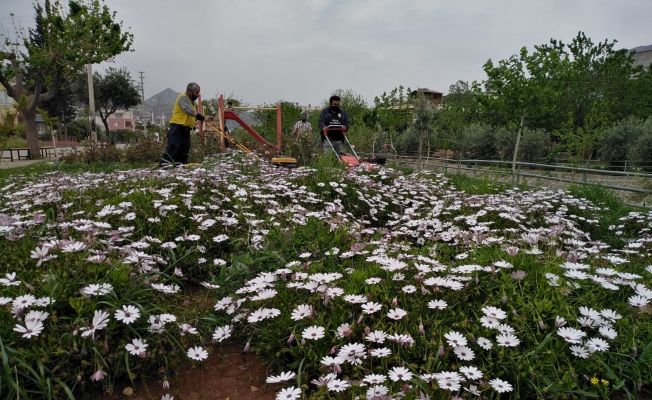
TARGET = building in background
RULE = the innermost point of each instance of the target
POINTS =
(119, 120)
(432, 96)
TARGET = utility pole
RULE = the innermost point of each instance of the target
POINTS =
(142, 98)
(91, 102)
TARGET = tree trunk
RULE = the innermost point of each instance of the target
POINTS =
(31, 134)
(105, 122)
(518, 142)
(420, 159)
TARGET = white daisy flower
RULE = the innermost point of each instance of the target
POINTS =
(128, 314)
(596, 345)
(137, 347)
(381, 352)
(197, 353)
(314, 332)
(507, 340)
(397, 374)
(500, 385)
(396, 313)
(464, 353)
(282, 377)
(291, 393)
(471, 372)
(437, 304)
(485, 343)
(455, 339)
(302, 311)
(373, 379)
(494, 312)
(579, 351)
(571, 335)
(371, 307)
(337, 385)
(32, 328)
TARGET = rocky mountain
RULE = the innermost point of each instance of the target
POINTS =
(161, 103)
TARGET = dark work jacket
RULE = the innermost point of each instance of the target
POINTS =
(330, 117)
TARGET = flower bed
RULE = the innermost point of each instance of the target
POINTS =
(358, 284)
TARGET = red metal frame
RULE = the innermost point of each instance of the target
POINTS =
(229, 115)
(200, 124)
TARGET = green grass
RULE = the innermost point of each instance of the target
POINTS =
(472, 186)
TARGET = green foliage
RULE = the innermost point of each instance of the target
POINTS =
(143, 151)
(8, 130)
(392, 111)
(460, 107)
(113, 91)
(611, 214)
(60, 44)
(535, 145)
(574, 90)
(641, 150)
(477, 141)
(266, 121)
(471, 185)
(616, 141)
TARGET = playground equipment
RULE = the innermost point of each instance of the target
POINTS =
(268, 150)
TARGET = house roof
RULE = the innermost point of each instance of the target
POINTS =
(426, 90)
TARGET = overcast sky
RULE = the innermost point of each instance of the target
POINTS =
(263, 51)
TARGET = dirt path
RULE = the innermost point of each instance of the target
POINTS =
(229, 375)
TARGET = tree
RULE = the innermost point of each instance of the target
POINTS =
(460, 108)
(71, 91)
(58, 46)
(392, 110)
(573, 90)
(115, 90)
(424, 115)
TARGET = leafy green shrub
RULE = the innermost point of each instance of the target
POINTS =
(144, 150)
(477, 141)
(534, 146)
(94, 153)
(641, 150)
(504, 141)
(615, 142)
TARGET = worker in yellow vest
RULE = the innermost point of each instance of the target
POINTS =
(184, 116)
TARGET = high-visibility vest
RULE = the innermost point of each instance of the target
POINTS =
(179, 116)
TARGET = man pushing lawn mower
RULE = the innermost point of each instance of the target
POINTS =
(333, 125)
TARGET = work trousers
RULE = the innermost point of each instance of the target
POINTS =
(178, 145)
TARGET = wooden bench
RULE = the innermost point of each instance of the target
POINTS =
(47, 152)
(22, 153)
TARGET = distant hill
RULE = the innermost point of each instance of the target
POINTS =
(161, 103)
(643, 55)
